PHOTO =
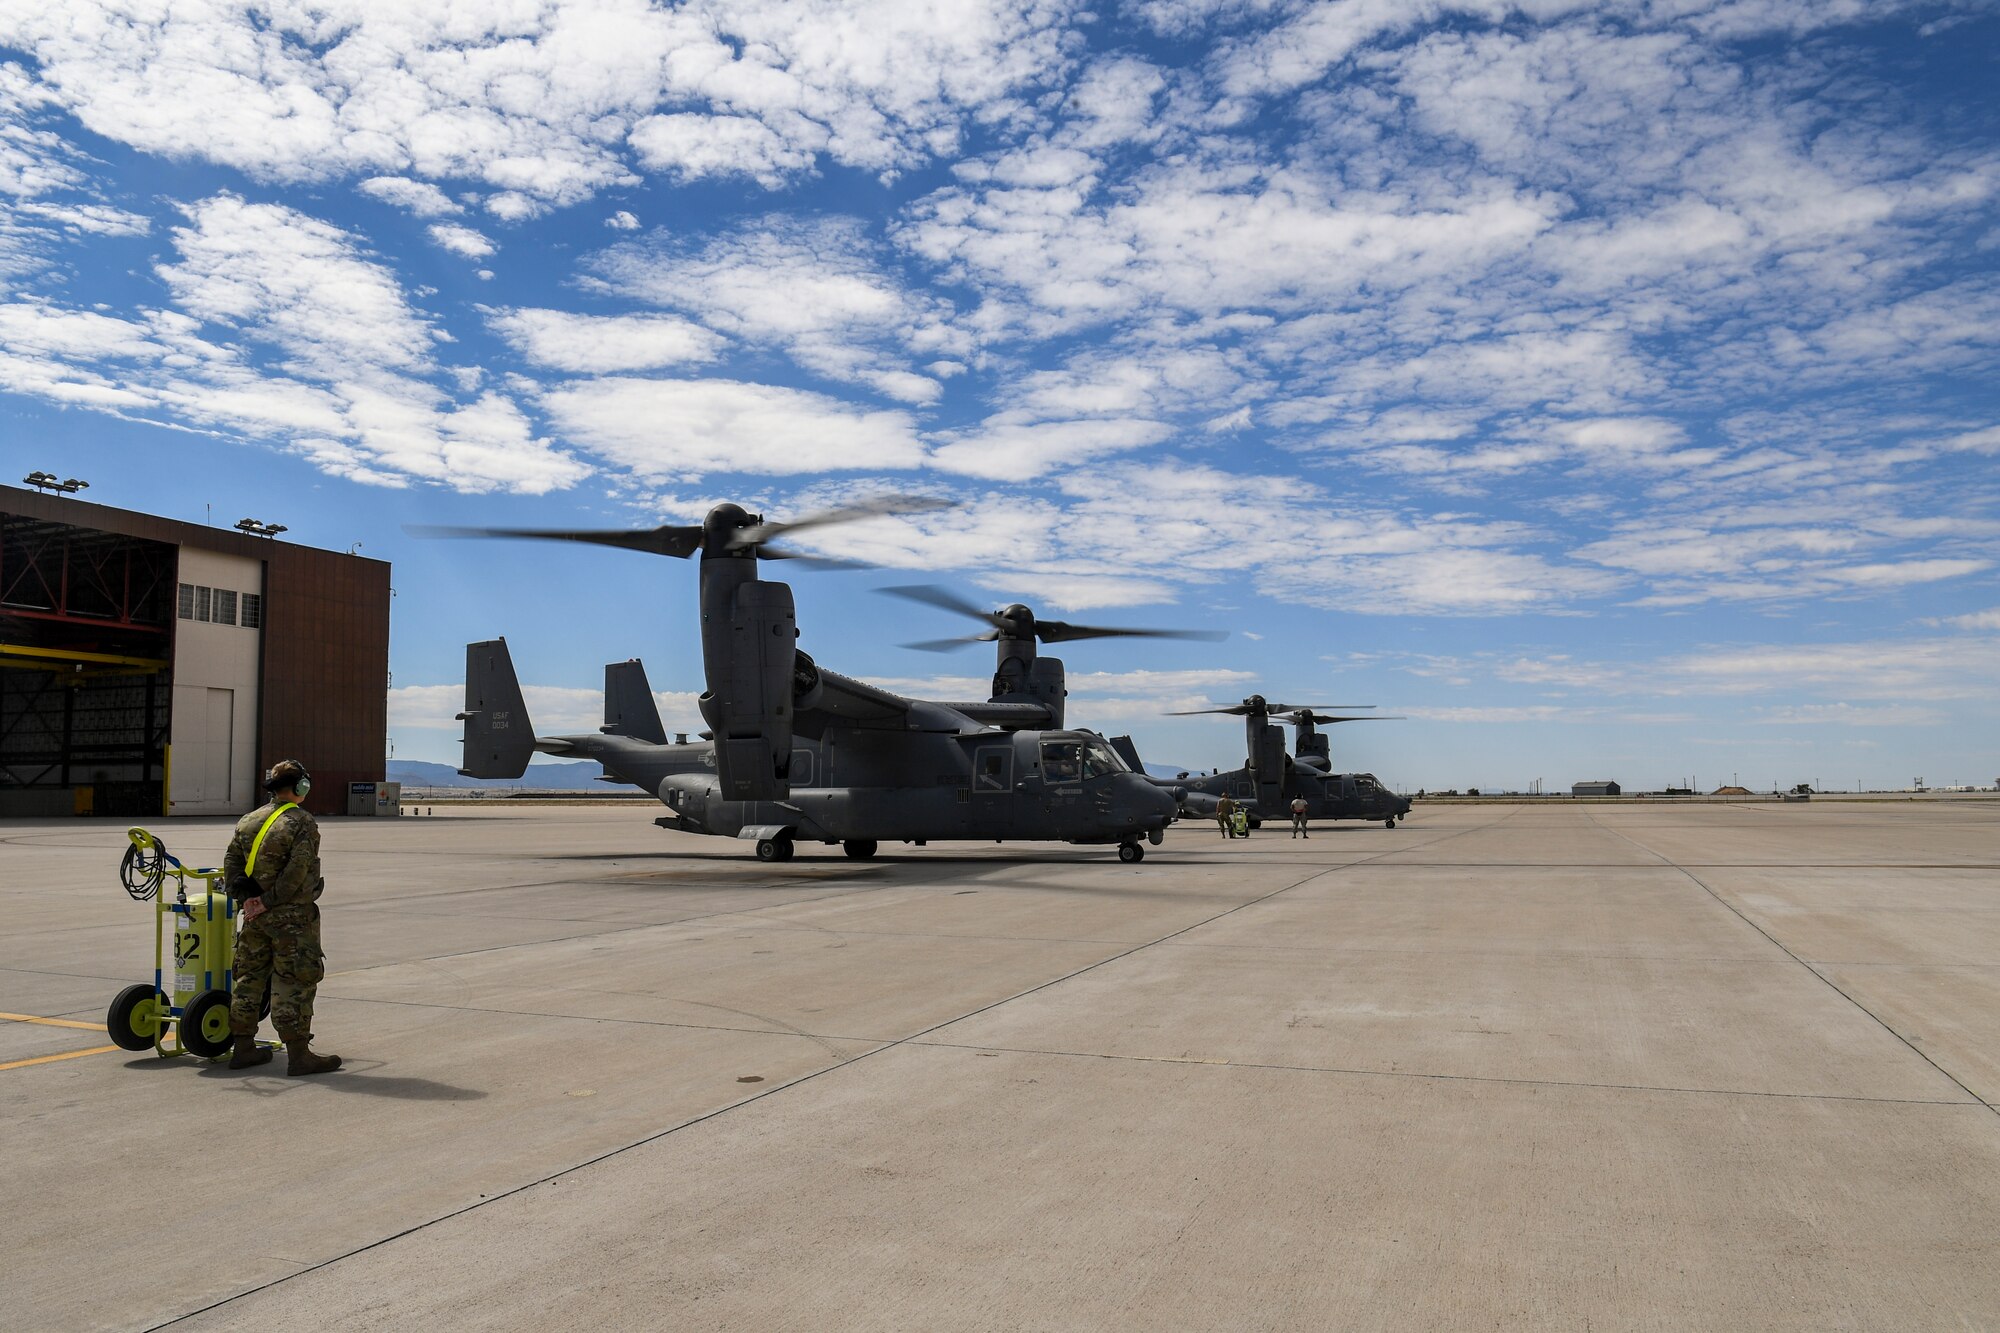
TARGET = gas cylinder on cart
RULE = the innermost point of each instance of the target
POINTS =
(204, 945)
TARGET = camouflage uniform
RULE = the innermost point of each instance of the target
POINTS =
(281, 947)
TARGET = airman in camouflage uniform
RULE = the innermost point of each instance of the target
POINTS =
(278, 945)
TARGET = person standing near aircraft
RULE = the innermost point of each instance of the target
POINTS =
(1299, 808)
(272, 868)
(1225, 815)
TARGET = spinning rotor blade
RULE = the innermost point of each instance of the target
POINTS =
(809, 561)
(1315, 717)
(947, 645)
(1246, 708)
(1056, 631)
(683, 540)
(888, 504)
(1307, 711)
(678, 541)
(1048, 631)
(942, 598)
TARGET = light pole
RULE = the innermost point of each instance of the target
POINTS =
(253, 528)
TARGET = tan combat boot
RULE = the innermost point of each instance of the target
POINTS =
(247, 1052)
(301, 1060)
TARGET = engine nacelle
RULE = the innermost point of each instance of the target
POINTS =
(748, 706)
(1269, 760)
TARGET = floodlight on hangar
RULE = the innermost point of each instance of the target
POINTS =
(256, 529)
(47, 483)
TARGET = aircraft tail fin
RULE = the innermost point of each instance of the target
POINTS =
(629, 709)
(1128, 752)
(499, 738)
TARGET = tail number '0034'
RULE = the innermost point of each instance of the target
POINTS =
(500, 721)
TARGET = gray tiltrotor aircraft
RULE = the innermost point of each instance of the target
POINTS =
(795, 752)
(1272, 779)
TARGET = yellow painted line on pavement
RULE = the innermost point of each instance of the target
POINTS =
(66, 1055)
(53, 1022)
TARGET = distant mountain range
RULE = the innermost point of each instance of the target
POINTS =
(577, 776)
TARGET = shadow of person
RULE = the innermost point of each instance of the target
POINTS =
(353, 1076)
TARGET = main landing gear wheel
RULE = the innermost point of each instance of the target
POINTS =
(1390, 822)
(1131, 851)
(774, 849)
(205, 1024)
(134, 1017)
(859, 849)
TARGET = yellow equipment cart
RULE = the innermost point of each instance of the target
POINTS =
(193, 1017)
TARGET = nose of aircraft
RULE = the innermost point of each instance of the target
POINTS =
(1158, 804)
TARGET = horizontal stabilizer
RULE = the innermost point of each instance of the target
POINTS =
(499, 739)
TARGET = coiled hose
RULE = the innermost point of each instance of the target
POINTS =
(142, 873)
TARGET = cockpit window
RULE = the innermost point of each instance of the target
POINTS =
(1100, 760)
(1061, 761)
(1367, 782)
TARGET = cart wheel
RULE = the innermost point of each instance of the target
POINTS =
(770, 849)
(134, 1017)
(860, 849)
(1131, 851)
(205, 1024)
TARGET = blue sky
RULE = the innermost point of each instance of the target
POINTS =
(1608, 387)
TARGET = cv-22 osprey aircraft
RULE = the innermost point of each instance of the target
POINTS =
(795, 752)
(1272, 779)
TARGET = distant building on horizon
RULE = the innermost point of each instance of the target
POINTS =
(1606, 788)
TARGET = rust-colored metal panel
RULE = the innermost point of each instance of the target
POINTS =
(326, 668)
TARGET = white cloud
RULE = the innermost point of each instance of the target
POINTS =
(673, 429)
(353, 385)
(688, 147)
(1897, 574)
(419, 197)
(597, 344)
(300, 284)
(810, 288)
(461, 240)
(97, 219)
(533, 102)
(1850, 715)
(623, 220)
(1976, 620)
(1007, 450)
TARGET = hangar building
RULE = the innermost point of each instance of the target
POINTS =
(150, 666)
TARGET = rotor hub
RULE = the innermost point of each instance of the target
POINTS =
(1015, 621)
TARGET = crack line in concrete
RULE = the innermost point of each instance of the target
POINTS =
(774, 1090)
(1975, 1103)
(1823, 977)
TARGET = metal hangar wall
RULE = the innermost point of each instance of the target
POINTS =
(152, 666)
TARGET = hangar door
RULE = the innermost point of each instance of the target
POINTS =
(86, 626)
